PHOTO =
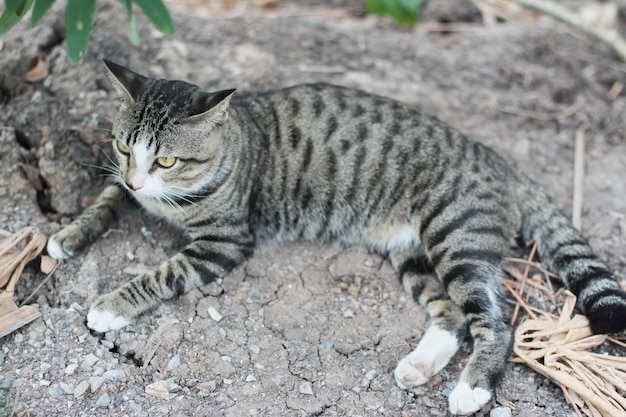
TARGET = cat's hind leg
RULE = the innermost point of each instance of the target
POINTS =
(448, 326)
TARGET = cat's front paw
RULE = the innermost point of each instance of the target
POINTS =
(465, 400)
(55, 248)
(106, 314)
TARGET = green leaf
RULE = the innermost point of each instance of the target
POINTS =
(132, 25)
(39, 10)
(158, 14)
(13, 13)
(404, 12)
(79, 16)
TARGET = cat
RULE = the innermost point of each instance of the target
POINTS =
(324, 163)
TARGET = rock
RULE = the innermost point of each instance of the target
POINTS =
(114, 374)
(95, 382)
(76, 307)
(250, 378)
(91, 359)
(103, 401)
(67, 388)
(81, 389)
(158, 389)
(254, 348)
(56, 391)
(305, 388)
(174, 362)
(214, 314)
(500, 412)
(71, 368)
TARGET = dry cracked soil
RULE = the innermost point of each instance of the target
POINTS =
(299, 330)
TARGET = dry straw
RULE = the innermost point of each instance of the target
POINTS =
(559, 348)
(15, 252)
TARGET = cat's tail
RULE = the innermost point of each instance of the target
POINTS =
(566, 252)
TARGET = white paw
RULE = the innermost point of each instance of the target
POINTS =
(432, 354)
(103, 321)
(464, 400)
(55, 250)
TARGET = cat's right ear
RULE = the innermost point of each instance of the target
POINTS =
(126, 82)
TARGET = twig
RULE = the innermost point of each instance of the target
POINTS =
(523, 283)
(520, 300)
(545, 116)
(41, 283)
(570, 400)
(579, 172)
(541, 267)
(609, 36)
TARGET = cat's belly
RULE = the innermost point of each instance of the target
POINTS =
(387, 236)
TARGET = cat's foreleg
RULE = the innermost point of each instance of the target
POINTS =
(201, 262)
(110, 205)
(474, 286)
(448, 325)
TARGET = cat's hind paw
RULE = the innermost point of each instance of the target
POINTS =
(55, 248)
(432, 354)
(102, 320)
(465, 400)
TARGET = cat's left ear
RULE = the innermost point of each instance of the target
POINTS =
(209, 109)
(126, 82)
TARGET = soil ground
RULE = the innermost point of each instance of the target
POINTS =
(300, 330)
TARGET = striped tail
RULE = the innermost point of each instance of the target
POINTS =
(566, 252)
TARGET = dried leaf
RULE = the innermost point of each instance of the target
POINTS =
(37, 72)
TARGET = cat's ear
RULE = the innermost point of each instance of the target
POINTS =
(209, 109)
(126, 82)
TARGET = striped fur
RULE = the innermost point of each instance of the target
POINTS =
(330, 164)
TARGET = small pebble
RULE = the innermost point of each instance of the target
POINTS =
(67, 388)
(215, 315)
(254, 348)
(114, 374)
(305, 388)
(371, 374)
(56, 391)
(500, 412)
(71, 368)
(91, 359)
(174, 362)
(158, 389)
(76, 307)
(81, 389)
(208, 385)
(5, 384)
(103, 401)
(250, 378)
(44, 383)
(120, 400)
(327, 345)
(95, 382)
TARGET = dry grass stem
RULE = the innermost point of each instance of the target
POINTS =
(15, 252)
(579, 174)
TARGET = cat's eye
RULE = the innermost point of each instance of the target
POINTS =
(166, 161)
(122, 148)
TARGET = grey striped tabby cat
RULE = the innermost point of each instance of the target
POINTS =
(331, 164)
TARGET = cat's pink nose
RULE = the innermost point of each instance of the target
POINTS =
(134, 186)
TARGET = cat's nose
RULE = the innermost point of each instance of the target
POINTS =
(132, 186)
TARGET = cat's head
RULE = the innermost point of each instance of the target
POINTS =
(169, 139)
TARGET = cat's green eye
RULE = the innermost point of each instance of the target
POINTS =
(166, 161)
(122, 148)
